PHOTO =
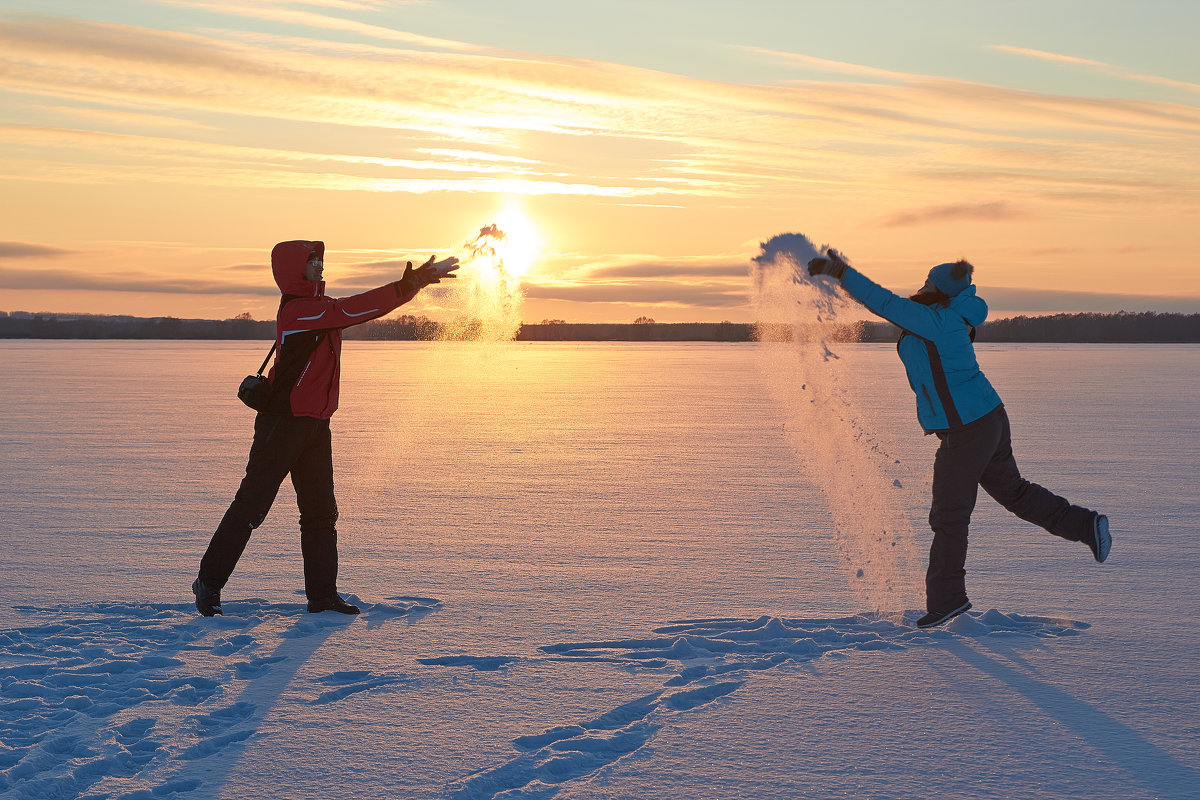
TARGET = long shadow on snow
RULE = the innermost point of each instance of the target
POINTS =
(66, 679)
(1163, 775)
(300, 641)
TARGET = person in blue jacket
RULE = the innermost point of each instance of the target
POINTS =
(956, 402)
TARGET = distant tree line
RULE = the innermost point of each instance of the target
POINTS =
(1085, 327)
(1145, 326)
(1120, 327)
(20, 325)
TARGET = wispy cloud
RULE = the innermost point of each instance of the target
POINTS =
(475, 155)
(350, 5)
(697, 268)
(261, 269)
(1161, 81)
(1045, 56)
(830, 66)
(642, 293)
(959, 212)
(118, 118)
(642, 279)
(170, 159)
(286, 13)
(1108, 69)
(79, 279)
(30, 250)
(1039, 300)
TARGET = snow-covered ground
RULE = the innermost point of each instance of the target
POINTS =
(588, 571)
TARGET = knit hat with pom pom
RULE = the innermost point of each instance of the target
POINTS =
(952, 278)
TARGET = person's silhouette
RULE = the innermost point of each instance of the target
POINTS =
(956, 402)
(291, 436)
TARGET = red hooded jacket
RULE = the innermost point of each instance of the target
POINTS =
(308, 331)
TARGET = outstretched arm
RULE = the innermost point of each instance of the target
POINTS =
(900, 311)
(360, 308)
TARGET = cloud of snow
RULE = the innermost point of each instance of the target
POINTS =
(798, 325)
(485, 299)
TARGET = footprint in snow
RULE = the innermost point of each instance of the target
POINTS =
(348, 682)
(90, 692)
(481, 663)
(715, 657)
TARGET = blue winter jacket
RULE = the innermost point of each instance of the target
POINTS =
(936, 349)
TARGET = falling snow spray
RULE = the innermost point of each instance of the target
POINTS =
(484, 301)
(798, 328)
(479, 313)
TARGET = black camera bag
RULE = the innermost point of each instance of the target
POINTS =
(255, 391)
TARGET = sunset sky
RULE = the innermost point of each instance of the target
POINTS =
(153, 151)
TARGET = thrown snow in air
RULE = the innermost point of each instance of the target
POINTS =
(485, 298)
(829, 429)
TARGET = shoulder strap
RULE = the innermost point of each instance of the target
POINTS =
(289, 371)
(270, 353)
(283, 301)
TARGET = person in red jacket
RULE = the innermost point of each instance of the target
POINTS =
(291, 436)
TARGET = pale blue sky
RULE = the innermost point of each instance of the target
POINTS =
(933, 37)
(702, 38)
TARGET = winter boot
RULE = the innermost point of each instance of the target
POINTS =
(208, 599)
(333, 603)
(1101, 540)
(934, 618)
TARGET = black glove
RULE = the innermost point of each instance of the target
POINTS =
(831, 264)
(428, 273)
(408, 282)
(422, 276)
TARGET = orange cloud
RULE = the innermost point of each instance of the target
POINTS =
(30, 250)
(983, 212)
(663, 293)
(65, 279)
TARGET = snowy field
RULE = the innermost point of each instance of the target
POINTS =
(589, 571)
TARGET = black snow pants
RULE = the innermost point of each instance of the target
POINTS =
(980, 454)
(302, 447)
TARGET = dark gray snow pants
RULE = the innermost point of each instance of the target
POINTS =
(980, 454)
(283, 445)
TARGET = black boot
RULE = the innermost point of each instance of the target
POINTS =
(1100, 540)
(938, 617)
(208, 599)
(334, 603)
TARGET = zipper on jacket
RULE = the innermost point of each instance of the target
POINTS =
(337, 368)
(942, 386)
